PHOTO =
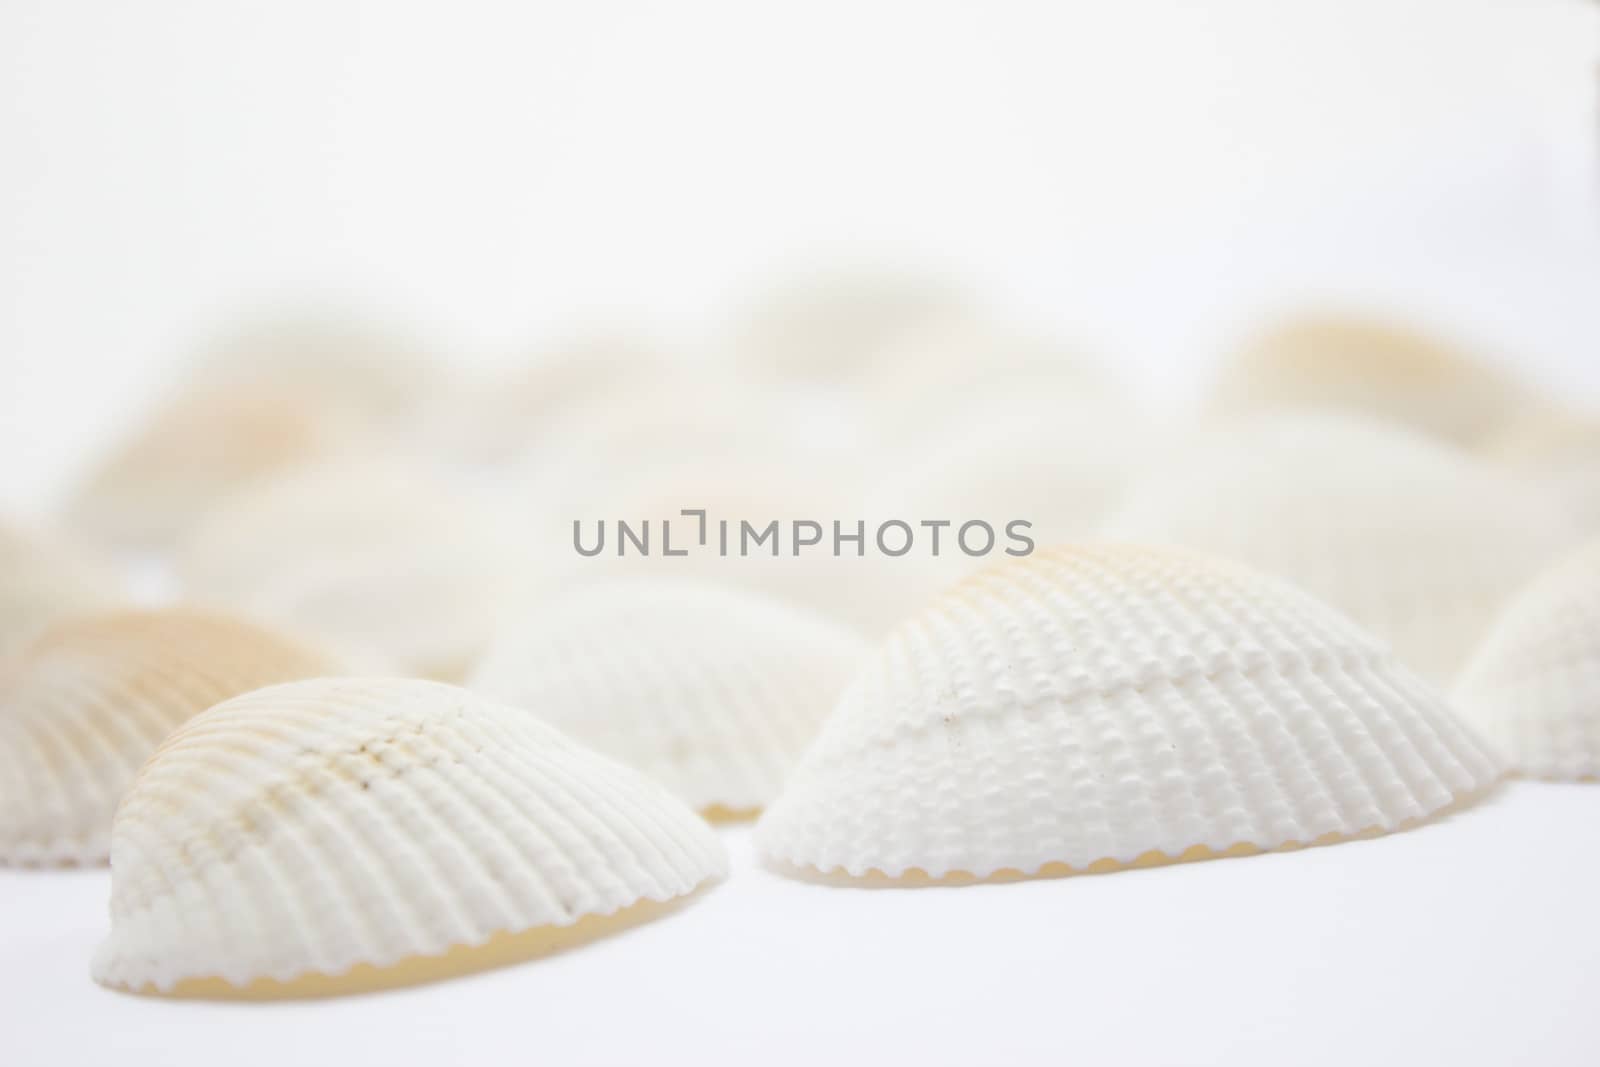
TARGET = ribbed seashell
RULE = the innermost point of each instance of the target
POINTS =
(1378, 368)
(711, 691)
(42, 580)
(88, 701)
(1419, 542)
(1100, 706)
(1533, 688)
(310, 837)
(380, 562)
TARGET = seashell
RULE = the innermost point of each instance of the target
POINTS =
(194, 452)
(274, 395)
(319, 358)
(1559, 449)
(1093, 707)
(1419, 542)
(1376, 368)
(88, 701)
(712, 691)
(1044, 458)
(380, 562)
(858, 587)
(338, 835)
(1533, 687)
(948, 372)
(43, 580)
(824, 326)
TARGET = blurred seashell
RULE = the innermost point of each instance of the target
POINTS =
(712, 691)
(44, 579)
(374, 560)
(1533, 687)
(1104, 706)
(1053, 461)
(194, 452)
(1373, 367)
(735, 543)
(86, 703)
(945, 373)
(827, 326)
(1419, 542)
(325, 360)
(1557, 448)
(334, 836)
(537, 402)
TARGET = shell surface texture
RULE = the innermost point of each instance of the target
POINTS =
(1417, 541)
(712, 691)
(1095, 707)
(331, 828)
(1533, 688)
(86, 703)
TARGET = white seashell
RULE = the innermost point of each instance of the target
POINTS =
(88, 701)
(43, 580)
(1111, 705)
(1533, 688)
(711, 691)
(1372, 367)
(1411, 538)
(328, 828)
(377, 561)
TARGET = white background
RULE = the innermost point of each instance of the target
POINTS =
(1149, 176)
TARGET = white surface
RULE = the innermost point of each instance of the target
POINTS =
(1467, 941)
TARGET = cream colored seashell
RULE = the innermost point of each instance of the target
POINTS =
(1533, 687)
(1559, 449)
(193, 453)
(1377, 368)
(377, 561)
(42, 580)
(88, 701)
(712, 691)
(952, 372)
(825, 326)
(1419, 542)
(1101, 706)
(309, 838)
(322, 359)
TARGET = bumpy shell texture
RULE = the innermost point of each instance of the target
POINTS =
(42, 581)
(1534, 686)
(1419, 542)
(87, 702)
(311, 827)
(1102, 704)
(714, 692)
